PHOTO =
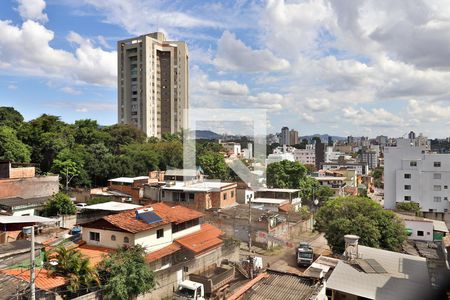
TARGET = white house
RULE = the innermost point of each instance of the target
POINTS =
(413, 174)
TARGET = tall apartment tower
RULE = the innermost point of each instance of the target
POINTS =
(153, 80)
(285, 136)
(293, 137)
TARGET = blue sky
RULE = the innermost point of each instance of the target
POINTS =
(319, 66)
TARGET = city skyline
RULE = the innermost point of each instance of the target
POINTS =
(344, 70)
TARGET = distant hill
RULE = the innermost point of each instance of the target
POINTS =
(206, 135)
(324, 137)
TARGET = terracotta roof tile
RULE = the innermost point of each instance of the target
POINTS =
(202, 240)
(44, 280)
(286, 207)
(94, 253)
(155, 255)
(127, 220)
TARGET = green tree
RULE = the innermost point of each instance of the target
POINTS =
(11, 148)
(285, 174)
(126, 273)
(77, 268)
(69, 165)
(408, 206)
(375, 226)
(10, 117)
(214, 165)
(59, 204)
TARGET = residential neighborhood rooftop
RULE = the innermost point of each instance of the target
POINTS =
(112, 206)
(25, 219)
(405, 275)
(128, 179)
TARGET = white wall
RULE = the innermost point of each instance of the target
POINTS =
(187, 231)
(105, 238)
(24, 212)
(148, 239)
(422, 181)
(425, 226)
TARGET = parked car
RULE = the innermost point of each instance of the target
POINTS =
(81, 205)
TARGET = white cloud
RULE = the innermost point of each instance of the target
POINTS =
(375, 117)
(317, 105)
(428, 112)
(84, 106)
(26, 50)
(201, 84)
(270, 101)
(32, 10)
(142, 16)
(228, 87)
(70, 90)
(234, 55)
(12, 86)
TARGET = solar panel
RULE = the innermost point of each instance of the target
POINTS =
(365, 266)
(149, 217)
(376, 266)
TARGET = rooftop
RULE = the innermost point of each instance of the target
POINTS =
(25, 219)
(204, 239)
(155, 255)
(94, 253)
(405, 276)
(128, 179)
(437, 225)
(280, 285)
(275, 190)
(270, 201)
(325, 178)
(205, 186)
(112, 206)
(44, 280)
(17, 202)
(127, 221)
(182, 172)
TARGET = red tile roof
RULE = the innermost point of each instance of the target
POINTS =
(94, 253)
(44, 280)
(155, 255)
(285, 207)
(127, 220)
(202, 240)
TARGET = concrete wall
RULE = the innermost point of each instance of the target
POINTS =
(25, 172)
(424, 226)
(148, 239)
(105, 238)
(167, 279)
(42, 186)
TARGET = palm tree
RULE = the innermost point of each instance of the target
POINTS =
(75, 267)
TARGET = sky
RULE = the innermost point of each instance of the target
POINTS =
(357, 67)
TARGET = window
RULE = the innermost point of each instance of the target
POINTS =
(437, 164)
(159, 233)
(437, 199)
(163, 194)
(113, 237)
(232, 194)
(445, 198)
(445, 187)
(407, 187)
(126, 240)
(413, 163)
(437, 176)
(224, 196)
(166, 260)
(94, 236)
(436, 188)
(191, 196)
(419, 233)
(407, 198)
(407, 176)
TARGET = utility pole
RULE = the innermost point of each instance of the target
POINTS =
(33, 265)
(249, 197)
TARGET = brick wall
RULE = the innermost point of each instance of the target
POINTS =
(218, 201)
(135, 192)
(29, 187)
(26, 172)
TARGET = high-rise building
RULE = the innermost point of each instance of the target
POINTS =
(153, 76)
(285, 136)
(412, 174)
(293, 137)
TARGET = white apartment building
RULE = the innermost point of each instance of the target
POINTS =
(272, 158)
(153, 77)
(413, 174)
(331, 155)
(306, 156)
(233, 149)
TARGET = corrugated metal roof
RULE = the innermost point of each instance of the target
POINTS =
(284, 286)
(25, 219)
(112, 206)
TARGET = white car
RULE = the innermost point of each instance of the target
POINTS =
(80, 206)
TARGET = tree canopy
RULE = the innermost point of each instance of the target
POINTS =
(59, 204)
(126, 273)
(361, 216)
(88, 154)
